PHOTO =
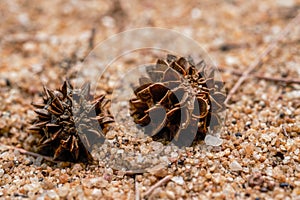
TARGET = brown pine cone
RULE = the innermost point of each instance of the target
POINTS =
(179, 102)
(70, 121)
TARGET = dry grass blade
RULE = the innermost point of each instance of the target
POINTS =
(23, 151)
(92, 39)
(137, 191)
(258, 61)
(156, 185)
(260, 76)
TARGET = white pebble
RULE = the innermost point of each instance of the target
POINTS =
(1, 172)
(120, 151)
(235, 166)
(52, 194)
(293, 94)
(108, 21)
(266, 137)
(170, 194)
(174, 155)
(256, 156)
(178, 179)
(230, 60)
(269, 171)
(64, 190)
(96, 192)
(213, 141)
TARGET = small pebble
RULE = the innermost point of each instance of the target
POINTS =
(63, 178)
(76, 168)
(52, 194)
(213, 141)
(178, 179)
(170, 194)
(235, 166)
(1, 172)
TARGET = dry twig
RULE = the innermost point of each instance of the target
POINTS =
(129, 172)
(258, 60)
(284, 130)
(92, 39)
(156, 185)
(23, 151)
(137, 191)
(260, 76)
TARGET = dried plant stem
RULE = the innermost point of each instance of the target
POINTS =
(156, 185)
(260, 76)
(129, 172)
(284, 130)
(23, 151)
(278, 79)
(92, 39)
(259, 59)
(137, 191)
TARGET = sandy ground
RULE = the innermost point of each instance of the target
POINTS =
(42, 42)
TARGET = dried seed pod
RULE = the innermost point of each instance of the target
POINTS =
(70, 121)
(178, 101)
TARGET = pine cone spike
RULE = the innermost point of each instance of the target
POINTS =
(178, 101)
(70, 122)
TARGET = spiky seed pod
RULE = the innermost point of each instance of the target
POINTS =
(178, 101)
(70, 121)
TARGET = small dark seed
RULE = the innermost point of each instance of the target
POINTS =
(180, 162)
(247, 125)
(44, 173)
(20, 195)
(279, 155)
(238, 134)
(125, 141)
(224, 47)
(284, 185)
(8, 83)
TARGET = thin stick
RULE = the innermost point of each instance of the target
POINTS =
(284, 130)
(92, 39)
(258, 61)
(23, 151)
(129, 172)
(137, 191)
(259, 76)
(156, 185)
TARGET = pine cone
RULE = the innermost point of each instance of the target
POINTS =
(70, 121)
(178, 102)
